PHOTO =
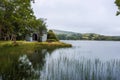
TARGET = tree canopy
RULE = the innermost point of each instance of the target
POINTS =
(17, 18)
(51, 36)
(117, 2)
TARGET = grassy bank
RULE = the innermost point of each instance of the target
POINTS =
(29, 47)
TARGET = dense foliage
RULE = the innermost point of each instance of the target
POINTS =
(51, 36)
(117, 2)
(87, 36)
(17, 18)
(41, 27)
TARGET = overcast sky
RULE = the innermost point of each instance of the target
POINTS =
(83, 16)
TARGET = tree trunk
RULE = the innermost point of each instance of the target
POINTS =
(5, 37)
(0, 32)
(14, 38)
(11, 37)
(8, 37)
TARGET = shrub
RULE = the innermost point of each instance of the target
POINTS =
(51, 36)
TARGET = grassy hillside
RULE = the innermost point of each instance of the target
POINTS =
(67, 35)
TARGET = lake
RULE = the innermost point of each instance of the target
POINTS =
(86, 60)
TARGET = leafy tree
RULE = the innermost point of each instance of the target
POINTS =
(16, 16)
(6, 9)
(51, 36)
(24, 18)
(41, 27)
(117, 2)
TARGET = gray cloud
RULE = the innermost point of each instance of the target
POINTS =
(92, 16)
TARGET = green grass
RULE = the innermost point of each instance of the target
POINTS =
(23, 46)
(47, 44)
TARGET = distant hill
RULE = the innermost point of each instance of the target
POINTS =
(63, 32)
(68, 35)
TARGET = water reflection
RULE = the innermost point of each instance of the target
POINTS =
(20, 70)
(23, 67)
(86, 60)
(64, 68)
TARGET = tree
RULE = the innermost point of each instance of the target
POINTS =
(24, 18)
(6, 9)
(41, 27)
(16, 17)
(117, 2)
(51, 36)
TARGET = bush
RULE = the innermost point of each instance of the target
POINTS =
(51, 36)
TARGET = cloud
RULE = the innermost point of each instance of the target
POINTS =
(96, 16)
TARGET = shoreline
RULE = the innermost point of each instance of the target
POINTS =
(22, 47)
(47, 44)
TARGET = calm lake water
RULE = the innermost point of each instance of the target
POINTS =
(86, 60)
